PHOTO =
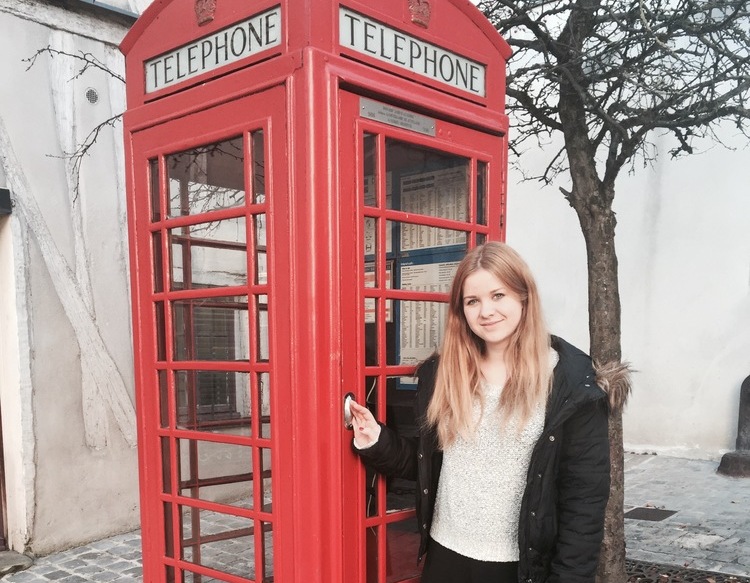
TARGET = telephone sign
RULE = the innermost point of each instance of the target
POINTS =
(370, 37)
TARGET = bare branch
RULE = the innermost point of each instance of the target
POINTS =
(76, 157)
(627, 68)
(87, 60)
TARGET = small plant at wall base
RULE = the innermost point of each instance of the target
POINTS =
(605, 78)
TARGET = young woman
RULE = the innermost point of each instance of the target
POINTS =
(512, 460)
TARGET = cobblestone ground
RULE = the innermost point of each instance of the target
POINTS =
(710, 529)
(116, 559)
(708, 534)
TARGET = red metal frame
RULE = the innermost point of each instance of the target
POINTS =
(304, 94)
(453, 139)
(155, 144)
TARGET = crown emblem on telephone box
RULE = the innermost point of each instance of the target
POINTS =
(420, 12)
(205, 11)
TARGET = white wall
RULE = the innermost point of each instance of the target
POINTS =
(63, 268)
(683, 244)
(15, 387)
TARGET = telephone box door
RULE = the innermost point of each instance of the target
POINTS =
(425, 190)
(206, 204)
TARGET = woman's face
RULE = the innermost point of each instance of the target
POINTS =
(492, 310)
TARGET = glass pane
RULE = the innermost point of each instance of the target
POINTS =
(373, 554)
(218, 541)
(371, 333)
(213, 400)
(206, 178)
(402, 546)
(262, 324)
(158, 263)
(259, 167)
(371, 492)
(216, 472)
(264, 403)
(161, 346)
(372, 384)
(153, 169)
(371, 238)
(419, 331)
(163, 398)
(267, 552)
(418, 237)
(370, 159)
(261, 273)
(482, 193)
(428, 182)
(209, 254)
(399, 412)
(266, 484)
(168, 530)
(166, 465)
(400, 397)
(429, 272)
(211, 329)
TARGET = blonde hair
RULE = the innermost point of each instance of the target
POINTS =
(527, 359)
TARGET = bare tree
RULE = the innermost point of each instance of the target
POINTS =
(602, 78)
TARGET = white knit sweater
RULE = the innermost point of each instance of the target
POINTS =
(482, 482)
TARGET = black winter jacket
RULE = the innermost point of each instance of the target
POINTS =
(562, 512)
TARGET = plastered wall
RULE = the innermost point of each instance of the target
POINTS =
(66, 383)
(684, 255)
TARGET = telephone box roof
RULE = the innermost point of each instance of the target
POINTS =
(174, 44)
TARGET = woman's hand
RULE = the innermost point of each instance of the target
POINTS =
(366, 429)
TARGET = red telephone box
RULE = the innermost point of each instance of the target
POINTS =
(303, 178)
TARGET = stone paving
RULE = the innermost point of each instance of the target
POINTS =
(115, 559)
(709, 530)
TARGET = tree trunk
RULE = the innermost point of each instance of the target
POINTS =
(598, 226)
(612, 556)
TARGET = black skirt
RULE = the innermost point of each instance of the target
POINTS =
(443, 565)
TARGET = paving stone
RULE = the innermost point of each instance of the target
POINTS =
(72, 564)
(56, 575)
(89, 570)
(26, 577)
(107, 576)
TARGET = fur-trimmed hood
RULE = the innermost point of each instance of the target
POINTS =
(614, 379)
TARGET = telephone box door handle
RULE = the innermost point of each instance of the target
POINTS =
(348, 398)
